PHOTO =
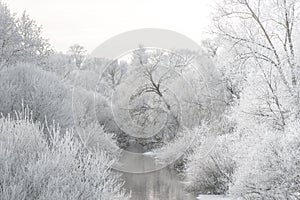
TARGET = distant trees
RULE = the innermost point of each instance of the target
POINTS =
(114, 73)
(20, 40)
(78, 54)
(49, 98)
(61, 64)
(211, 46)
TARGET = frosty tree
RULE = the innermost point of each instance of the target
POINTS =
(265, 42)
(20, 39)
(78, 54)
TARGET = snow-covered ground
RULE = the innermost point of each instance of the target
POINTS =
(213, 197)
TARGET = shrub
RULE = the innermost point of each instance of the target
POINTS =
(271, 169)
(95, 138)
(211, 173)
(208, 162)
(41, 91)
(177, 149)
(32, 168)
(55, 101)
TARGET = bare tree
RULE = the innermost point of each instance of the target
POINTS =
(114, 73)
(78, 54)
(152, 65)
(211, 46)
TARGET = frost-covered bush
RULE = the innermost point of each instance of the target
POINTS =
(61, 168)
(271, 168)
(170, 151)
(94, 137)
(175, 150)
(210, 163)
(90, 107)
(87, 79)
(60, 64)
(41, 91)
(211, 173)
(54, 101)
(47, 96)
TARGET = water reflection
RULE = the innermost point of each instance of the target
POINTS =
(158, 185)
(163, 184)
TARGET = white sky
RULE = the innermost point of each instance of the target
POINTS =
(90, 22)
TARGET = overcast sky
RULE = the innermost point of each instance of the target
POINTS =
(91, 22)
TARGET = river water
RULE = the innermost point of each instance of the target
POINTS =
(158, 185)
(163, 184)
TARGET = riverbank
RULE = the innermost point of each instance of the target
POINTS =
(213, 197)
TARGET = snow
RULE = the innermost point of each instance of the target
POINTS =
(213, 197)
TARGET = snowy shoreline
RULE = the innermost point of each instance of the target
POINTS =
(213, 197)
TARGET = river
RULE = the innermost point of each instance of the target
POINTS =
(163, 184)
(159, 185)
